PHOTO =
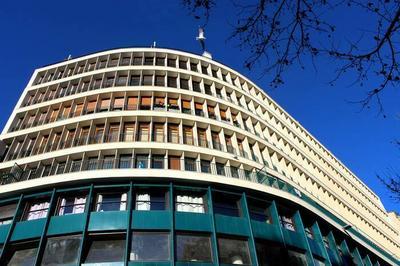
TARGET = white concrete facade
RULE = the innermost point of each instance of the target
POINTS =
(199, 109)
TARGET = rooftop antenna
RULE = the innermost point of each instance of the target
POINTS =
(153, 45)
(69, 57)
(201, 38)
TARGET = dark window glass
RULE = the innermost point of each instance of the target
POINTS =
(107, 249)
(135, 81)
(226, 205)
(259, 211)
(160, 80)
(172, 82)
(62, 250)
(193, 67)
(137, 61)
(160, 61)
(190, 164)
(182, 64)
(196, 86)
(171, 62)
(7, 213)
(220, 168)
(148, 61)
(150, 246)
(157, 162)
(269, 254)
(23, 257)
(147, 80)
(233, 251)
(205, 166)
(204, 70)
(184, 84)
(125, 161)
(296, 258)
(193, 248)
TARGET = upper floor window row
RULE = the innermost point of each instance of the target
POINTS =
(135, 59)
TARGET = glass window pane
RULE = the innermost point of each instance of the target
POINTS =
(193, 248)
(25, 257)
(7, 213)
(233, 251)
(296, 258)
(62, 250)
(150, 246)
(106, 251)
(269, 254)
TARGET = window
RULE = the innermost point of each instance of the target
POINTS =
(160, 81)
(105, 248)
(287, 221)
(157, 162)
(233, 251)
(76, 165)
(190, 202)
(173, 133)
(23, 255)
(151, 200)
(160, 61)
(145, 103)
(91, 106)
(113, 131)
(137, 60)
(193, 248)
(220, 168)
(7, 213)
(205, 166)
(62, 250)
(171, 82)
(122, 80)
(125, 161)
(135, 80)
(182, 64)
(184, 83)
(129, 131)
(141, 161)
(269, 254)
(159, 102)
(71, 205)
(193, 67)
(227, 204)
(147, 80)
(143, 132)
(296, 258)
(198, 109)
(202, 137)
(171, 62)
(259, 210)
(132, 103)
(111, 201)
(174, 162)
(125, 60)
(234, 172)
(105, 104)
(150, 246)
(309, 232)
(158, 133)
(188, 135)
(196, 86)
(36, 210)
(148, 61)
(173, 104)
(204, 70)
(118, 103)
(190, 164)
(92, 163)
(186, 108)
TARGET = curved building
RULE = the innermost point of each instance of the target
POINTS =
(148, 156)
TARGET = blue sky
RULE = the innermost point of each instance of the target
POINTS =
(37, 33)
